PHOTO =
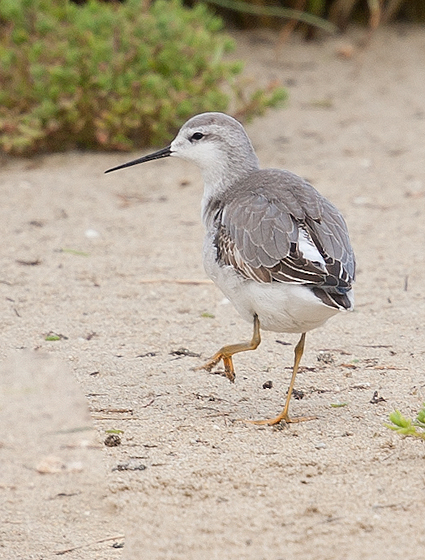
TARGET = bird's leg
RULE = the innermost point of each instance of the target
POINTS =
(299, 349)
(227, 352)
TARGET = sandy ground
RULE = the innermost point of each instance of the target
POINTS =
(97, 263)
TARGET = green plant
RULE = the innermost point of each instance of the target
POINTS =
(259, 9)
(112, 76)
(325, 14)
(406, 426)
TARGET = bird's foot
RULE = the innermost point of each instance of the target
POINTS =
(208, 366)
(281, 418)
(228, 365)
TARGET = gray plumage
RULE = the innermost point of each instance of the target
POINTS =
(257, 224)
(267, 225)
(276, 248)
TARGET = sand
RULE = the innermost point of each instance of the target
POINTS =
(102, 285)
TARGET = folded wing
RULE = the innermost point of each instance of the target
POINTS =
(275, 227)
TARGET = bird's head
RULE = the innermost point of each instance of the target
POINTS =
(216, 143)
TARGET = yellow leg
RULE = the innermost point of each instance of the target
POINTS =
(299, 349)
(227, 352)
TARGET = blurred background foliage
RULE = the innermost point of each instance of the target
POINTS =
(125, 74)
(113, 75)
(316, 13)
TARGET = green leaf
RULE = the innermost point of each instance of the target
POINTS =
(407, 427)
(399, 420)
(74, 252)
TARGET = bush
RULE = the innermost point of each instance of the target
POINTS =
(111, 76)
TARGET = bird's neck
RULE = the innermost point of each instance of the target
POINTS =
(222, 176)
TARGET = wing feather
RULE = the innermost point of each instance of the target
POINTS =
(259, 226)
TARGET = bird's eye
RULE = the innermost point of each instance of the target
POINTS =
(196, 136)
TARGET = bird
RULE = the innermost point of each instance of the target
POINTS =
(277, 249)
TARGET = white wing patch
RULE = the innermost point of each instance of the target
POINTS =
(309, 249)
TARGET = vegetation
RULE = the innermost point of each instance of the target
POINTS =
(112, 75)
(406, 426)
(325, 14)
(125, 75)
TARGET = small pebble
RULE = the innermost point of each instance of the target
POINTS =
(91, 234)
(325, 357)
(112, 440)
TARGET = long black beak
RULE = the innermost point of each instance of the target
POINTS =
(165, 152)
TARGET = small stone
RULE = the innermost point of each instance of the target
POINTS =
(297, 394)
(91, 234)
(112, 440)
(325, 357)
(50, 465)
(376, 398)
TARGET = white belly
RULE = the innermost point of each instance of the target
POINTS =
(280, 307)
